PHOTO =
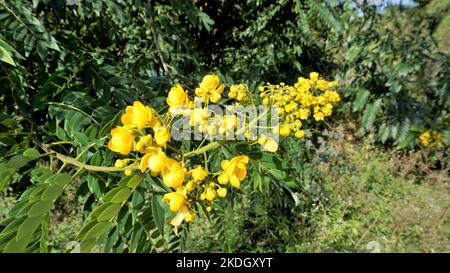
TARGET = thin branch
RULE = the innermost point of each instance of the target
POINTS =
(155, 39)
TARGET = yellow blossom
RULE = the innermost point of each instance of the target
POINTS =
(173, 173)
(121, 140)
(198, 173)
(222, 192)
(234, 170)
(177, 99)
(162, 136)
(155, 160)
(175, 201)
(137, 116)
(209, 89)
(285, 130)
(271, 145)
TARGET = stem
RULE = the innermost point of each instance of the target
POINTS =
(204, 149)
(72, 161)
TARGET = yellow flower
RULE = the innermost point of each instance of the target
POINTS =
(121, 140)
(234, 170)
(425, 138)
(313, 76)
(210, 194)
(209, 89)
(319, 116)
(198, 173)
(137, 116)
(155, 160)
(271, 145)
(162, 136)
(299, 134)
(190, 186)
(120, 163)
(177, 99)
(222, 192)
(143, 143)
(173, 174)
(128, 172)
(175, 201)
(285, 130)
(183, 214)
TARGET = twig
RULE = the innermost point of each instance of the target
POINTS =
(155, 39)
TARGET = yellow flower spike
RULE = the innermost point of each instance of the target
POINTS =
(121, 140)
(266, 101)
(198, 173)
(222, 192)
(128, 172)
(173, 174)
(137, 116)
(271, 145)
(285, 130)
(175, 201)
(162, 136)
(299, 134)
(210, 194)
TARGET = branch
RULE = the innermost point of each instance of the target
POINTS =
(155, 39)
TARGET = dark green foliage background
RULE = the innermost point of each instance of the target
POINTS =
(77, 66)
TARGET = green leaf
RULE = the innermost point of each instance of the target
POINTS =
(361, 98)
(134, 182)
(17, 161)
(137, 202)
(61, 179)
(28, 227)
(17, 246)
(109, 213)
(370, 114)
(52, 193)
(85, 229)
(158, 212)
(97, 230)
(5, 57)
(40, 208)
(121, 196)
(31, 153)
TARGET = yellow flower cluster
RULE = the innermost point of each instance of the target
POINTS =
(210, 89)
(234, 171)
(135, 119)
(431, 137)
(296, 103)
(143, 132)
(147, 134)
(239, 92)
